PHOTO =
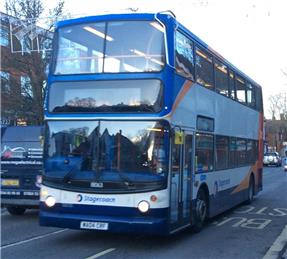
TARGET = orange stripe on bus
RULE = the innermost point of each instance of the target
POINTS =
(182, 93)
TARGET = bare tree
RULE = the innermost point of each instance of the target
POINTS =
(277, 105)
(31, 64)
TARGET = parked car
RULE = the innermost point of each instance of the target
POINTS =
(272, 158)
(21, 168)
(284, 163)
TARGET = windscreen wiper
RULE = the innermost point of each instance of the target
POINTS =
(68, 175)
(126, 180)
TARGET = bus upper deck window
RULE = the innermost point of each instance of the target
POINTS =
(110, 47)
(204, 69)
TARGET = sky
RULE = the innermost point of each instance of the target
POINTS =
(251, 34)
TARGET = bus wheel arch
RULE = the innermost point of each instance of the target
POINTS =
(201, 212)
(251, 189)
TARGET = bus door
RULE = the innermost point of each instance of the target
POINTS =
(181, 179)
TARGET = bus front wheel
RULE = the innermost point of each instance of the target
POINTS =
(16, 210)
(201, 209)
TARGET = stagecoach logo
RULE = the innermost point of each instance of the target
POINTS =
(94, 199)
(79, 197)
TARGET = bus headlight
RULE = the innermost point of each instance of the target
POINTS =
(143, 206)
(50, 201)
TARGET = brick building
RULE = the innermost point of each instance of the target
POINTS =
(276, 135)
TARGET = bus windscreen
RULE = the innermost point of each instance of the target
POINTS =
(110, 47)
(111, 155)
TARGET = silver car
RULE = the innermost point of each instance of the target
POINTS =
(272, 158)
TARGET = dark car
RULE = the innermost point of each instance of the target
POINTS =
(21, 168)
(272, 158)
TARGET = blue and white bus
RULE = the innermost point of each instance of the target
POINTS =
(148, 130)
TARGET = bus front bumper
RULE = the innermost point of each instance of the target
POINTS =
(158, 226)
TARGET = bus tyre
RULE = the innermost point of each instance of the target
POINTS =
(201, 209)
(250, 191)
(16, 210)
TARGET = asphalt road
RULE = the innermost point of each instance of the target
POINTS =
(243, 232)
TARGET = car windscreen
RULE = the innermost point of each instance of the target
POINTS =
(21, 143)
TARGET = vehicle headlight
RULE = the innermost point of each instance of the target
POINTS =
(50, 201)
(143, 206)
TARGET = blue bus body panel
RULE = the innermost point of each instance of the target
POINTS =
(113, 17)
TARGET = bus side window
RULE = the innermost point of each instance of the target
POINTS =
(204, 153)
(221, 153)
(232, 89)
(250, 95)
(221, 78)
(184, 59)
(232, 153)
(204, 69)
(240, 89)
(241, 152)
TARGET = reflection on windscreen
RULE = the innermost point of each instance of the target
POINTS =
(110, 47)
(106, 96)
(108, 151)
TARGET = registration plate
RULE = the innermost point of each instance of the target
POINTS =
(10, 182)
(94, 225)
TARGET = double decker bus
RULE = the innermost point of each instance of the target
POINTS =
(148, 130)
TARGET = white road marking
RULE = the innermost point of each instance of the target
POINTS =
(32, 239)
(278, 246)
(101, 253)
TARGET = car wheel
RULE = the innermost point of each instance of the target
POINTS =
(201, 211)
(16, 210)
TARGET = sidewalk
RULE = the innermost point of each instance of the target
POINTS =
(279, 248)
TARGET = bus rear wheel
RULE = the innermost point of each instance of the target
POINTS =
(201, 209)
(250, 190)
(16, 210)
